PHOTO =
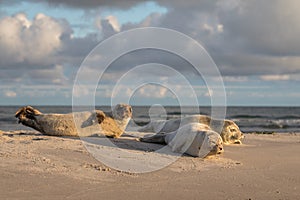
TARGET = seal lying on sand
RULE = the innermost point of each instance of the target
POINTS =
(112, 124)
(230, 133)
(194, 139)
(88, 123)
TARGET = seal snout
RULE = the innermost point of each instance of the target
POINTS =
(122, 111)
(220, 150)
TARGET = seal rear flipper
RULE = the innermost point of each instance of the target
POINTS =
(26, 115)
(20, 112)
(27, 111)
(158, 138)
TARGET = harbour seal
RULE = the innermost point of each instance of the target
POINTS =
(195, 139)
(230, 132)
(88, 123)
(112, 124)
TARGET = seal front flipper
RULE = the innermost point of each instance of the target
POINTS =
(158, 138)
(96, 117)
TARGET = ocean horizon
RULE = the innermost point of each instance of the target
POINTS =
(267, 119)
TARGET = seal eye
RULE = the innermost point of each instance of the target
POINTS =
(233, 137)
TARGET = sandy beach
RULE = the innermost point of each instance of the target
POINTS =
(34, 166)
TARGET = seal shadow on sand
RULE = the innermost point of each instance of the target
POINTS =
(128, 142)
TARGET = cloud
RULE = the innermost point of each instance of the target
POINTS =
(281, 77)
(275, 77)
(246, 39)
(53, 76)
(269, 27)
(113, 21)
(90, 4)
(154, 91)
(31, 42)
(40, 51)
(235, 78)
(43, 42)
(243, 37)
(209, 93)
(108, 26)
(10, 93)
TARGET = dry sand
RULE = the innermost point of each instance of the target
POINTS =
(34, 166)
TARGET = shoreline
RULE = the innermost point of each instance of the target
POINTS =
(34, 166)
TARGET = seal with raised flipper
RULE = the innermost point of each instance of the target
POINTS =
(195, 139)
(87, 123)
(230, 132)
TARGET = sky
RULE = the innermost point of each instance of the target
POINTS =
(46, 46)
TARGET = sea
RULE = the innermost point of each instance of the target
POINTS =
(249, 119)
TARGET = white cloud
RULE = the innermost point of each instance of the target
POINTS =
(153, 91)
(208, 28)
(40, 51)
(113, 20)
(283, 77)
(146, 91)
(220, 28)
(209, 93)
(32, 42)
(10, 93)
(108, 26)
(235, 78)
